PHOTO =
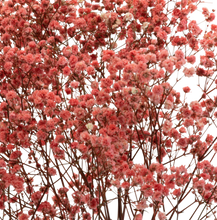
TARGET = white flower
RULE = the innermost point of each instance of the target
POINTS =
(134, 91)
(89, 126)
(145, 25)
(128, 16)
(105, 17)
(118, 22)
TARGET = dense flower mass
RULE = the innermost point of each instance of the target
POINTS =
(88, 111)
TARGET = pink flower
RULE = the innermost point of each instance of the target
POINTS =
(187, 88)
(10, 147)
(209, 54)
(79, 112)
(58, 153)
(66, 71)
(158, 90)
(16, 168)
(29, 58)
(174, 134)
(205, 176)
(73, 102)
(200, 72)
(209, 138)
(177, 192)
(107, 55)
(80, 66)
(179, 54)
(62, 61)
(15, 154)
(162, 35)
(158, 187)
(59, 138)
(90, 70)
(149, 178)
(106, 82)
(106, 141)
(125, 185)
(168, 65)
(32, 44)
(18, 184)
(182, 130)
(85, 136)
(147, 190)
(41, 135)
(74, 145)
(74, 84)
(163, 54)
(83, 148)
(157, 196)
(67, 51)
(90, 103)
(51, 104)
(93, 203)
(186, 113)
(11, 95)
(96, 64)
(80, 23)
(52, 171)
(25, 67)
(178, 41)
(189, 71)
(8, 66)
(161, 216)
(2, 163)
(196, 107)
(65, 114)
(129, 68)
(6, 37)
(151, 57)
(194, 28)
(45, 207)
(191, 59)
(138, 217)
(209, 186)
(23, 217)
(188, 122)
(183, 143)
(167, 126)
(86, 216)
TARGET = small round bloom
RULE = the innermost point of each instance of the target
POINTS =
(23, 217)
(161, 216)
(128, 16)
(189, 71)
(66, 71)
(29, 58)
(74, 84)
(62, 61)
(158, 90)
(134, 91)
(52, 171)
(89, 126)
(8, 66)
(65, 114)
